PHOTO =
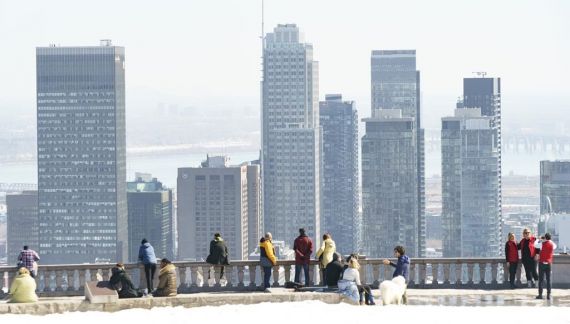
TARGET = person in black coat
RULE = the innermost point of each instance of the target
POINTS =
(334, 271)
(121, 281)
(218, 254)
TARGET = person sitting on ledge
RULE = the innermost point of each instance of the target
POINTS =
(166, 280)
(23, 288)
(333, 271)
(121, 282)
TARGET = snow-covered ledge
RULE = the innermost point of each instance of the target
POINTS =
(465, 273)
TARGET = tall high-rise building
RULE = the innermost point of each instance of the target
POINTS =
(395, 84)
(82, 196)
(22, 223)
(150, 216)
(291, 136)
(389, 184)
(254, 206)
(340, 217)
(470, 185)
(215, 198)
(555, 187)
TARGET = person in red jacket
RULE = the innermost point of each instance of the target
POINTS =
(528, 252)
(303, 247)
(546, 255)
(512, 257)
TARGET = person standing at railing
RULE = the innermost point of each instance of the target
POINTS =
(148, 259)
(303, 247)
(402, 267)
(528, 252)
(218, 256)
(23, 288)
(28, 258)
(325, 254)
(267, 258)
(545, 248)
(512, 258)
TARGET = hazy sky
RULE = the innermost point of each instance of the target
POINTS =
(209, 50)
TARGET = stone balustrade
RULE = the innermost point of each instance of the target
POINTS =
(465, 273)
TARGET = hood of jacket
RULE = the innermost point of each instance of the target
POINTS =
(218, 239)
(146, 245)
(404, 259)
(168, 268)
(265, 244)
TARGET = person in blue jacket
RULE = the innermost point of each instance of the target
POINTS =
(402, 266)
(148, 259)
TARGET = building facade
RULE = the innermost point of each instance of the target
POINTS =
(555, 201)
(389, 184)
(340, 217)
(82, 198)
(470, 186)
(150, 216)
(291, 136)
(22, 223)
(395, 84)
(215, 198)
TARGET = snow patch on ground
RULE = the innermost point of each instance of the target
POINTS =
(311, 312)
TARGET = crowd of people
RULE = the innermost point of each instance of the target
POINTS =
(337, 274)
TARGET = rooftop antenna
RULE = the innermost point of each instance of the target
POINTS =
(480, 73)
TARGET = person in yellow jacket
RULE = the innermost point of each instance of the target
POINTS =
(267, 258)
(325, 254)
(23, 288)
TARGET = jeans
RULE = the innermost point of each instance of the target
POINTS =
(149, 270)
(530, 269)
(544, 270)
(266, 276)
(365, 293)
(512, 273)
(305, 268)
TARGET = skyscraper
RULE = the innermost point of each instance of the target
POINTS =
(291, 136)
(470, 185)
(389, 184)
(215, 198)
(555, 187)
(82, 198)
(395, 84)
(341, 217)
(150, 216)
(22, 221)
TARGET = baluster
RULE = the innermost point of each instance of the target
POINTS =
(142, 277)
(505, 273)
(240, 275)
(207, 275)
(47, 281)
(413, 272)
(194, 277)
(252, 275)
(446, 273)
(217, 275)
(93, 273)
(422, 278)
(387, 274)
(482, 271)
(287, 268)
(275, 276)
(229, 273)
(107, 274)
(458, 273)
(470, 267)
(58, 280)
(182, 277)
(312, 267)
(494, 268)
(434, 273)
(82, 278)
(376, 274)
(11, 275)
(70, 280)
(362, 272)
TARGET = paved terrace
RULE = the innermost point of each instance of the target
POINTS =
(461, 282)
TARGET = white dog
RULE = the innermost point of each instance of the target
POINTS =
(393, 290)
